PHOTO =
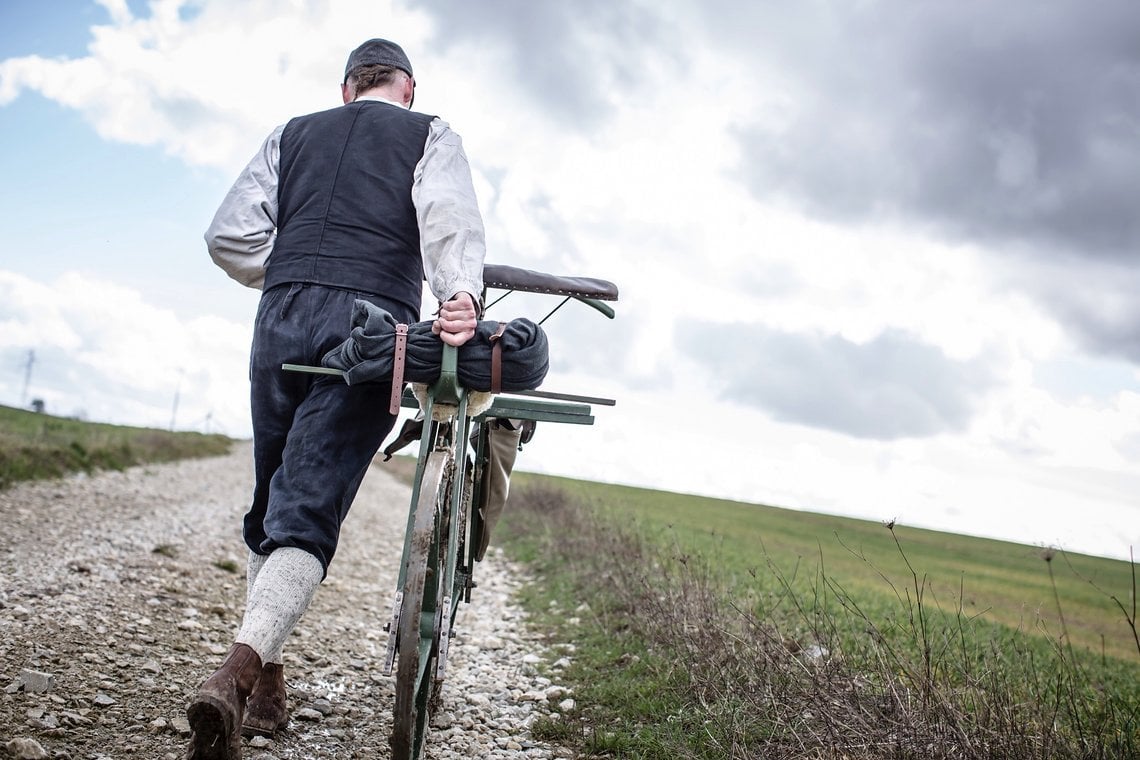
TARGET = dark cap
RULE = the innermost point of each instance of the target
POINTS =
(378, 52)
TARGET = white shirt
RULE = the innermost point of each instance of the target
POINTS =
(452, 241)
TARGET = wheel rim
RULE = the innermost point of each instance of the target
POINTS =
(418, 628)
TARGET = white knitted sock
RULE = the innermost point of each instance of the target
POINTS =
(252, 568)
(284, 587)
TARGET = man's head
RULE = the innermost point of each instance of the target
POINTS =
(379, 65)
(378, 52)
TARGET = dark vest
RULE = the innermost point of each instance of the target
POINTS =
(345, 217)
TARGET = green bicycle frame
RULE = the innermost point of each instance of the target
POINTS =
(446, 390)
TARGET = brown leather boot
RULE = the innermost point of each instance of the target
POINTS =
(266, 713)
(216, 713)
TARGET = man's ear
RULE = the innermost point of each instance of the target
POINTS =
(410, 91)
(345, 93)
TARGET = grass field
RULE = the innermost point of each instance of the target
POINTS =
(36, 446)
(999, 581)
(704, 619)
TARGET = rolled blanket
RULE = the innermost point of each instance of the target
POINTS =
(366, 355)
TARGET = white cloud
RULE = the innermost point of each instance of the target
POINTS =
(647, 190)
(103, 348)
(119, 11)
(207, 85)
(31, 315)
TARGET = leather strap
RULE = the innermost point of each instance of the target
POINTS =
(497, 359)
(398, 368)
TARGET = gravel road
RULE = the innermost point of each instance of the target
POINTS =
(120, 592)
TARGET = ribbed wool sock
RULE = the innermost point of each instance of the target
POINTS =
(284, 587)
(252, 568)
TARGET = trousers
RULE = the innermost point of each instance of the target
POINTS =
(314, 436)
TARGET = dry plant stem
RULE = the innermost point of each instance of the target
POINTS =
(1057, 600)
(1066, 645)
(1131, 618)
(922, 630)
(1129, 612)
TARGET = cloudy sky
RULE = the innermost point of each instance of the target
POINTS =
(877, 258)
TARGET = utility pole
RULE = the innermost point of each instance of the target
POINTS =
(174, 408)
(27, 377)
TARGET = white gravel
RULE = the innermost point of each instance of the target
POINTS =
(120, 592)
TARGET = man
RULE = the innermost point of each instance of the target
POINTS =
(361, 201)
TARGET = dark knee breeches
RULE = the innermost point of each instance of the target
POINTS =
(313, 435)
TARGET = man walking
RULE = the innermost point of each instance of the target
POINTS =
(361, 201)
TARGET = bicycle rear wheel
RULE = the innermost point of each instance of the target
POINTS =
(418, 632)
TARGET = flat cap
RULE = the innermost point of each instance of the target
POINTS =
(378, 52)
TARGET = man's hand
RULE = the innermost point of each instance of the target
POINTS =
(456, 321)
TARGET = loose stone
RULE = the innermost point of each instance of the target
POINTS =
(36, 682)
(26, 749)
(308, 713)
(323, 706)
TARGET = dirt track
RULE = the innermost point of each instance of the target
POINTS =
(120, 592)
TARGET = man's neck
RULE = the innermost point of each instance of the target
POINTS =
(380, 94)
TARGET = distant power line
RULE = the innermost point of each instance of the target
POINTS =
(177, 393)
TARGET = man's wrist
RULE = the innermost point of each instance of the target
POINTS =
(475, 302)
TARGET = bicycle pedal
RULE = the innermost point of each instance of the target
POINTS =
(444, 640)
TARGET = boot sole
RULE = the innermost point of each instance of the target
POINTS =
(268, 730)
(211, 727)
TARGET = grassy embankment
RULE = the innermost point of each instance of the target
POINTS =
(36, 446)
(712, 629)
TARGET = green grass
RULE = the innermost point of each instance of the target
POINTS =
(39, 446)
(1001, 582)
(699, 611)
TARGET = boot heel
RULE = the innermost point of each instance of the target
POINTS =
(215, 715)
(210, 730)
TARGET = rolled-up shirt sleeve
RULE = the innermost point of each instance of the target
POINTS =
(240, 238)
(452, 240)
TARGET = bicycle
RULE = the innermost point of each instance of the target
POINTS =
(445, 519)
